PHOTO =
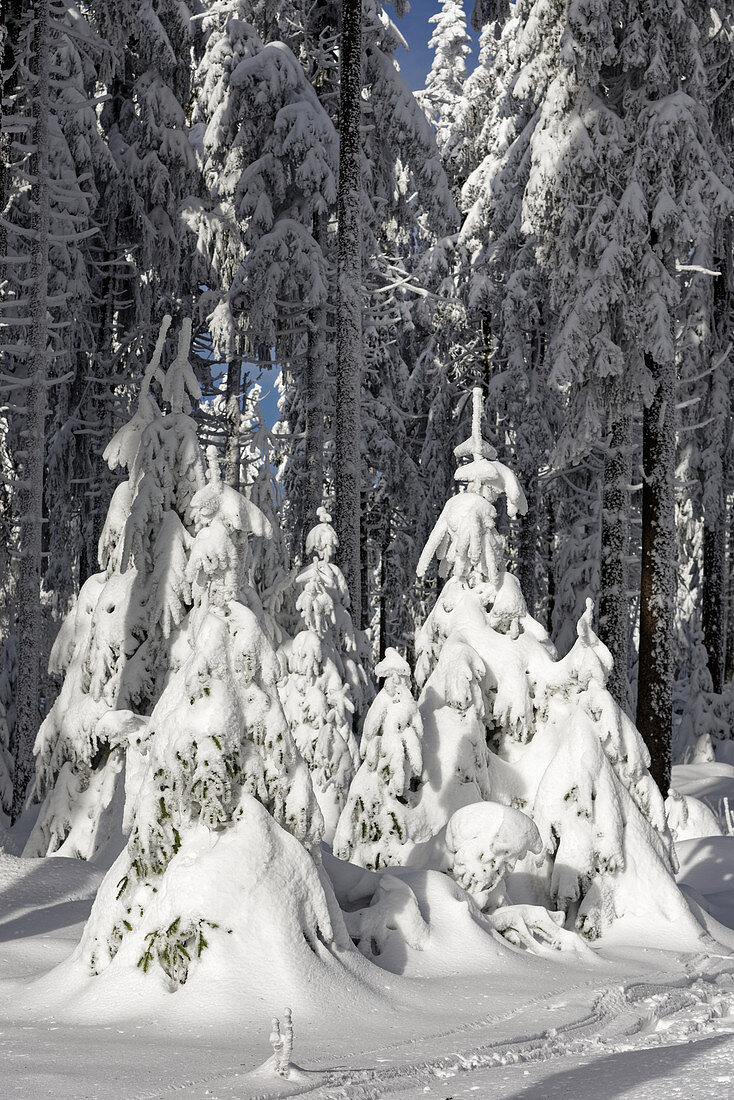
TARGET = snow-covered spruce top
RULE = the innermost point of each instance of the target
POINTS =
(503, 719)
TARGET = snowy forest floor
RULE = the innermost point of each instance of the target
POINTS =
(451, 1021)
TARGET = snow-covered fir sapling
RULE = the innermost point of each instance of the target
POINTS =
(504, 720)
(326, 686)
(220, 783)
(373, 829)
(114, 648)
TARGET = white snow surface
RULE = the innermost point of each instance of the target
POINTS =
(446, 1009)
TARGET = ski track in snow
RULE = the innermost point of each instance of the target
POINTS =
(633, 1016)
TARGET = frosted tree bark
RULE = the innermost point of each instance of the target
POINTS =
(729, 592)
(12, 13)
(657, 582)
(349, 306)
(717, 432)
(714, 595)
(614, 602)
(315, 383)
(30, 490)
(233, 416)
(528, 540)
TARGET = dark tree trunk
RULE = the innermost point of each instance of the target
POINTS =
(528, 541)
(714, 595)
(315, 386)
(657, 581)
(614, 580)
(550, 520)
(233, 415)
(715, 591)
(349, 306)
(30, 492)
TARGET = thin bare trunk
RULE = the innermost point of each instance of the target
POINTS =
(233, 414)
(614, 600)
(349, 306)
(315, 383)
(655, 683)
(30, 490)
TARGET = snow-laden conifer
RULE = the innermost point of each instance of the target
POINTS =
(326, 689)
(218, 778)
(374, 825)
(443, 98)
(116, 646)
(505, 720)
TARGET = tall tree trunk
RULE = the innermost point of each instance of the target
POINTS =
(715, 593)
(349, 306)
(657, 589)
(233, 417)
(729, 591)
(614, 600)
(550, 563)
(528, 540)
(315, 384)
(12, 12)
(30, 491)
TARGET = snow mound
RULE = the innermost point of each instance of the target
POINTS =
(249, 905)
(28, 886)
(689, 818)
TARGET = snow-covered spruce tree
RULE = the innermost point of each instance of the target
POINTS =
(505, 295)
(269, 155)
(373, 827)
(259, 478)
(443, 98)
(220, 785)
(503, 719)
(610, 101)
(117, 644)
(399, 161)
(145, 248)
(326, 690)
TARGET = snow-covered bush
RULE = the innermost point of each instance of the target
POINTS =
(374, 829)
(325, 685)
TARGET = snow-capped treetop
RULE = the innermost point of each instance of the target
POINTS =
(465, 539)
(392, 668)
(180, 382)
(442, 98)
(124, 445)
(322, 541)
